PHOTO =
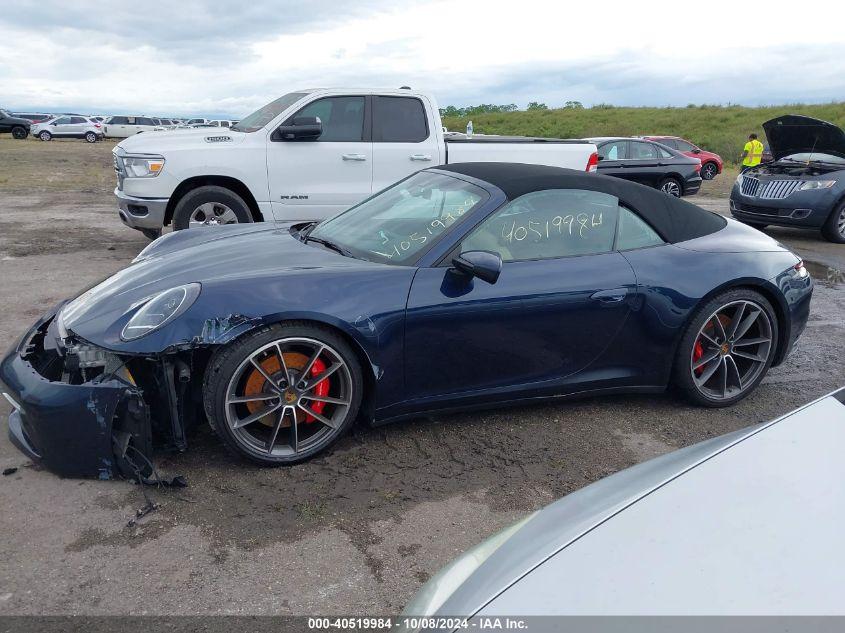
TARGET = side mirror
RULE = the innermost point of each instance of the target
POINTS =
(482, 264)
(304, 128)
(696, 151)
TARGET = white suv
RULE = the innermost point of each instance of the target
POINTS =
(68, 126)
(124, 126)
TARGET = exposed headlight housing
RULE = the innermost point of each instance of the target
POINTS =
(160, 310)
(143, 166)
(809, 185)
(739, 179)
(444, 583)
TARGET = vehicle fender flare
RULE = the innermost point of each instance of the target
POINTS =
(227, 182)
(765, 288)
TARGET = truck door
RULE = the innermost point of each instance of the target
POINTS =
(403, 141)
(315, 179)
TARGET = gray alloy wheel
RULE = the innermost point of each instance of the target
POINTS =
(671, 187)
(212, 214)
(709, 171)
(91, 137)
(732, 349)
(19, 132)
(834, 228)
(289, 397)
(44, 135)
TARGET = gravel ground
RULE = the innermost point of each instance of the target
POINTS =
(357, 530)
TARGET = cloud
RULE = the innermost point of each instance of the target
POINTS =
(213, 57)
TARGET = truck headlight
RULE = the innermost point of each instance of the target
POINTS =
(143, 166)
(160, 309)
(816, 184)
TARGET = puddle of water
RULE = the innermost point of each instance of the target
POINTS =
(824, 274)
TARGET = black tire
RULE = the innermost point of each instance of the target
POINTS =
(682, 374)
(151, 234)
(44, 135)
(671, 187)
(756, 225)
(225, 364)
(209, 194)
(90, 137)
(19, 132)
(834, 228)
(709, 170)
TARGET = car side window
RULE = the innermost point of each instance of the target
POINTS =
(399, 120)
(683, 146)
(664, 153)
(143, 121)
(342, 118)
(118, 120)
(547, 225)
(634, 232)
(78, 119)
(62, 121)
(668, 142)
(642, 151)
(617, 150)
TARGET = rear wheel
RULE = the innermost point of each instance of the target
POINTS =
(284, 393)
(727, 348)
(210, 206)
(834, 229)
(45, 136)
(671, 186)
(90, 137)
(709, 171)
(19, 132)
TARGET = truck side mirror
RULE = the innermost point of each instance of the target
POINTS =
(303, 128)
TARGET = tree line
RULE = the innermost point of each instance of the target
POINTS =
(486, 108)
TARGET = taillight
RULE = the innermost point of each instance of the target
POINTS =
(593, 162)
(96, 125)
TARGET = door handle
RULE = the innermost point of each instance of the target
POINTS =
(353, 157)
(616, 295)
(424, 157)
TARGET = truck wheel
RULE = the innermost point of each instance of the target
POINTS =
(151, 234)
(834, 229)
(210, 206)
(19, 132)
(45, 136)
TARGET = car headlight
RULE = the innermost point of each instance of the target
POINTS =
(159, 310)
(739, 180)
(444, 583)
(816, 184)
(143, 166)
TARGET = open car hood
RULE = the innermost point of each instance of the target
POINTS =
(793, 134)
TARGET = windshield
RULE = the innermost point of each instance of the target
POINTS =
(263, 116)
(395, 225)
(806, 157)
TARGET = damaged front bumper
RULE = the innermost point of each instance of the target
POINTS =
(77, 411)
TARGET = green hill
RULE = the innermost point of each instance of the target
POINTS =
(721, 129)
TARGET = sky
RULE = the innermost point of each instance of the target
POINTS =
(226, 59)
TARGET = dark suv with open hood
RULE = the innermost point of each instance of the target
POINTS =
(803, 186)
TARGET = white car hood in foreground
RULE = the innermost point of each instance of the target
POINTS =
(748, 524)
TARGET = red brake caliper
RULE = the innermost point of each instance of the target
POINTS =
(322, 389)
(697, 353)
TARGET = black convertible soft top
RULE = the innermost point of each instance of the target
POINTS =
(674, 219)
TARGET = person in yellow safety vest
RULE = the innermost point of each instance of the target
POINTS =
(752, 153)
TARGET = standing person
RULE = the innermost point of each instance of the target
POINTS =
(752, 153)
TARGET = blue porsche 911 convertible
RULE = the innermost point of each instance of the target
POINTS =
(472, 285)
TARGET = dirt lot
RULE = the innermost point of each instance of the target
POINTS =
(354, 531)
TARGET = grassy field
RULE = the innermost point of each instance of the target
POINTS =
(71, 165)
(719, 129)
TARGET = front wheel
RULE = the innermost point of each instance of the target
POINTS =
(709, 171)
(283, 393)
(671, 186)
(727, 348)
(210, 206)
(45, 136)
(834, 229)
(19, 132)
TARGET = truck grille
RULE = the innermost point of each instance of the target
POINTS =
(770, 189)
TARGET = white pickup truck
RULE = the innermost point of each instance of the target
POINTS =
(307, 155)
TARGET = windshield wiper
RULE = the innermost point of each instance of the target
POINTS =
(328, 244)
